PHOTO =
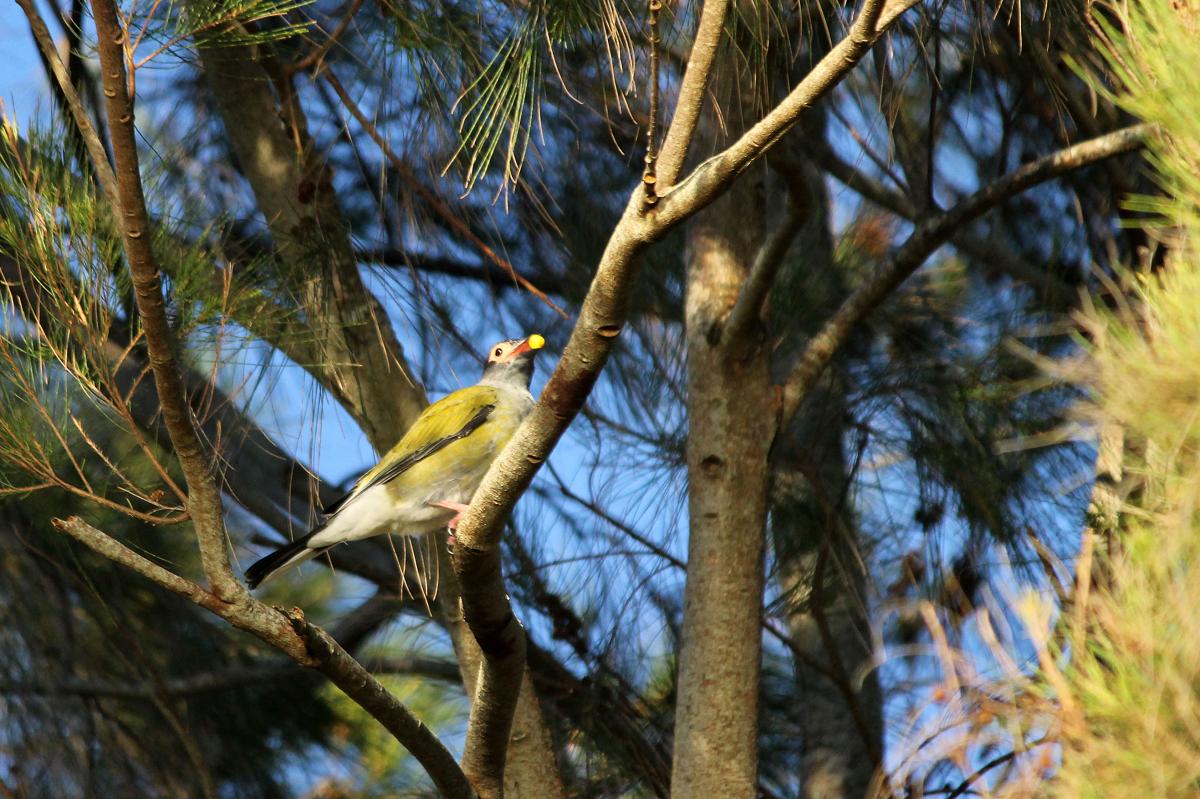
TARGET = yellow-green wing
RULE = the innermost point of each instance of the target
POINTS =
(450, 419)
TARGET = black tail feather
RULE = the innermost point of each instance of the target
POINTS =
(264, 567)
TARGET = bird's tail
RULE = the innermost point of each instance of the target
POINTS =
(283, 559)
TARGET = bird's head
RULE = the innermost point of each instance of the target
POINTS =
(511, 362)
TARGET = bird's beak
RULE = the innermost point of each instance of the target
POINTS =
(534, 342)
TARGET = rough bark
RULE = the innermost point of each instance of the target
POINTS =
(730, 424)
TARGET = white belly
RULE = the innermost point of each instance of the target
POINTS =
(375, 512)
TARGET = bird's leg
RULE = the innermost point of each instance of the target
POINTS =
(452, 525)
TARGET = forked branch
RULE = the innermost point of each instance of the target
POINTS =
(304, 643)
(931, 234)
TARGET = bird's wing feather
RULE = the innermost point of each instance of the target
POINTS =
(450, 419)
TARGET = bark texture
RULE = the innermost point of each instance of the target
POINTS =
(731, 422)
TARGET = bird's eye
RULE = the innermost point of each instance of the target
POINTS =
(499, 351)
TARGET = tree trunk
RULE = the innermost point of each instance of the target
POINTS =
(731, 419)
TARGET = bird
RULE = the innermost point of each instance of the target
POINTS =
(424, 482)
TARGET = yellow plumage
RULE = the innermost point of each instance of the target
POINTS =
(424, 482)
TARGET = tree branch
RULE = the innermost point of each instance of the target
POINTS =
(692, 90)
(304, 643)
(711, 178)
(927, 237)
(204, 498)
(91, 140)
(977, 247)
(749, 305)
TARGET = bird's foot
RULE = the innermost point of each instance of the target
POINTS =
(458, 508)
(452, 525)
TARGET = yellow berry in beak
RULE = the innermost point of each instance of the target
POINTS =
(536, 342)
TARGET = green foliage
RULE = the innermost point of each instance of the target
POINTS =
(500, 108)
(1131, 720)
(1147, 59)
(71, 345)
(158, 28)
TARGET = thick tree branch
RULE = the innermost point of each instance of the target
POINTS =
(501, 640)
(477, 554)
(204, 498)
(927, 237)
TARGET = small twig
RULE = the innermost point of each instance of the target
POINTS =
(999, 760)
(318, 54)
(650, 174)
(592, 506)
(436, 203)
